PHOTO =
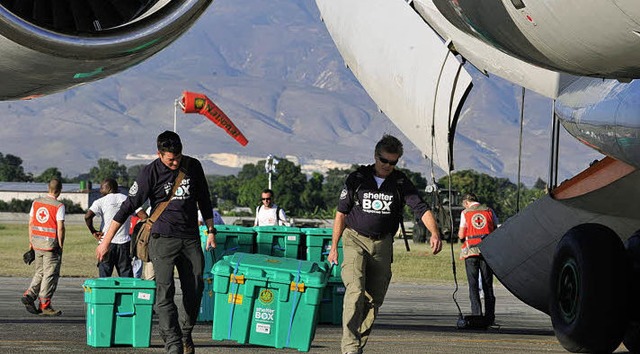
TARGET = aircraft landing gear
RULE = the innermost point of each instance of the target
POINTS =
(590, 290)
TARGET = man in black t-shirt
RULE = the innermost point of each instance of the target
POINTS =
(175, 239)
(368, 215)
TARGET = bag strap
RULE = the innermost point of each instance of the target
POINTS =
(163, 205)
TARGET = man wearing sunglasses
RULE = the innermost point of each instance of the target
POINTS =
(368, 215)
(268, 213)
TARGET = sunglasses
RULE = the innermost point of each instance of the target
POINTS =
(265, 199)
(385, 161)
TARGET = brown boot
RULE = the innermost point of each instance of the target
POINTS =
(49, 311)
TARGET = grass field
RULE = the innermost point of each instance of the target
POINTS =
(78, 260)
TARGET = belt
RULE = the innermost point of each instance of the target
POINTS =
(372, 237)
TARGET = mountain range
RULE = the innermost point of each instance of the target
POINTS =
(272, 67)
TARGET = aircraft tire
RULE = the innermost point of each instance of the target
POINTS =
(589, 290)
(632, 336)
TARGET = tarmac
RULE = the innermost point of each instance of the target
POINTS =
(413, 319)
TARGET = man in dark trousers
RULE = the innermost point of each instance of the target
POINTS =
(174, 241)
(368, 215)
(119, 255)
(476, 222)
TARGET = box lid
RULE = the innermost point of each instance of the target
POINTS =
(118, 282)
(277, 229)
(234, 229)
(273, 269)
(317, 231)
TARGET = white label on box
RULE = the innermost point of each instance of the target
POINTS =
(144, 296)
(292, 238)
(263, 328)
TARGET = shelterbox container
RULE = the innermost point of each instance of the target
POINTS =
(279, 241)
(206, 304)
(229, 240)
(331, 304)
(267, 300)
(119, 311)
(318, 241)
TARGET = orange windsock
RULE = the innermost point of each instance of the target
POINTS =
(192, 102)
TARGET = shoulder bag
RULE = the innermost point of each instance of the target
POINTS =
(142, 237)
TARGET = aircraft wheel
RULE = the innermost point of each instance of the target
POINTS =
(632, 336)
(589, 290)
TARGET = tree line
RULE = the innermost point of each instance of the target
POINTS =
(302, 196)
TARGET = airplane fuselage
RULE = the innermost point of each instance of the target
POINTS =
(599, 38)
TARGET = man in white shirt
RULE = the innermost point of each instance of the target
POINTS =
(269, 213)
(119, 254)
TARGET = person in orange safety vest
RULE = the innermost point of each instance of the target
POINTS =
(476, 222)
(46, 238)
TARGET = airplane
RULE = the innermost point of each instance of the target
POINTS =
(50, 46)
(565, 254)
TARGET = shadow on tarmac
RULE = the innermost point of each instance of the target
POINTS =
(413, 319)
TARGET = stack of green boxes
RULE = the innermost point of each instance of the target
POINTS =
(279, 241)
(267, 300)
(119, 311)
(318, 241)
(310, 244)
(229, 240)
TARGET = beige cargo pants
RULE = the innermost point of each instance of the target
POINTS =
(366, 272)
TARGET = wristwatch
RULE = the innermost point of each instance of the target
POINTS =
(213, 231)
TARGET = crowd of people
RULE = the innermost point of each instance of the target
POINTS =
(172, 191)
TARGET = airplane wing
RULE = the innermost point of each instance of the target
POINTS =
(404, 66)
(49, 46)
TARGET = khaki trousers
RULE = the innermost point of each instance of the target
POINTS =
(366, 273)
(45, 279)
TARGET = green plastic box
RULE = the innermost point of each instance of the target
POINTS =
(267, 300)
(331, 305)
(279, 241)
(229, 240)
(206, 304)
(318, 241)
(119, 311)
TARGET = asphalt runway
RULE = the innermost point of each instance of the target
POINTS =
(413, 319)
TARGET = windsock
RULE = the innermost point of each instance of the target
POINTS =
(192, 102)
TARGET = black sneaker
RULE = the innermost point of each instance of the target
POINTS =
(29, 304)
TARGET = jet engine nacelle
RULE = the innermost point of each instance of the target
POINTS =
(49, 46)
(603, 114)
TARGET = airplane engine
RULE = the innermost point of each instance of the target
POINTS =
(603, 114)
(51, 45)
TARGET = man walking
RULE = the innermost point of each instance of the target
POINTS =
(476, 222)
(368, 215)
(174, 240)
(46, 237)
(119, 253)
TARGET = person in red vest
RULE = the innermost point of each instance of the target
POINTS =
(46, 237)
(476, 222)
